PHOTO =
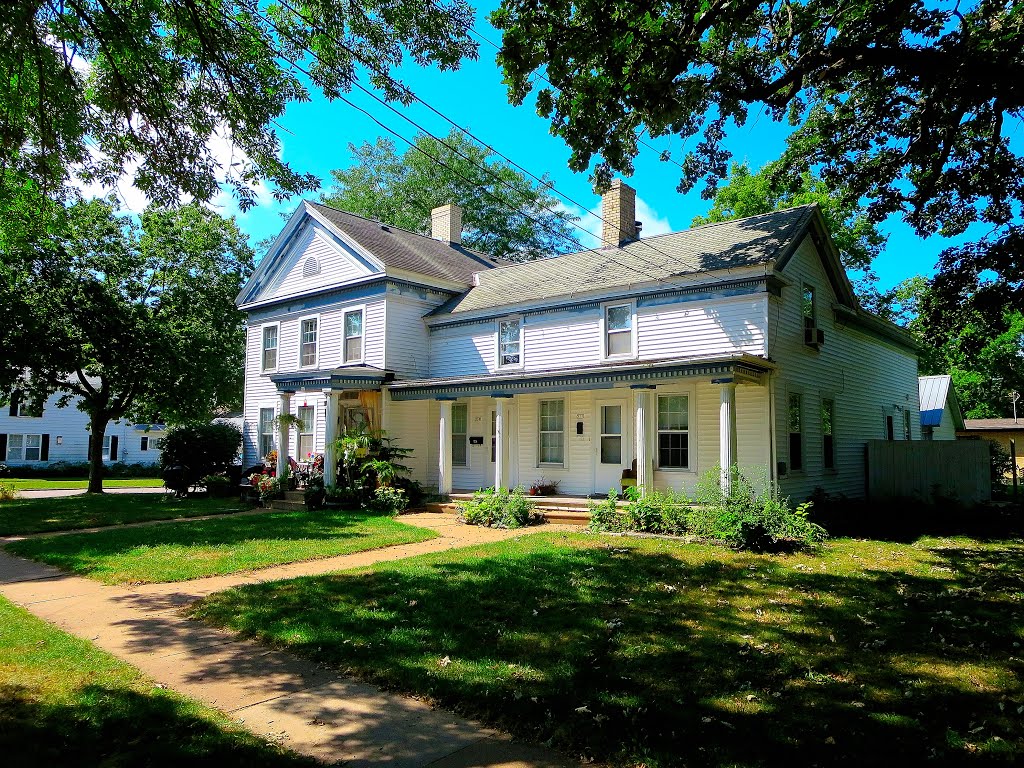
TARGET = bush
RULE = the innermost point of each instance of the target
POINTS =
(7, 491)
(342, 497)
(217, 486)
(604, 514)
(267, 487)
(62, 469)
(202, 449)
(388, 500)
(501, 509)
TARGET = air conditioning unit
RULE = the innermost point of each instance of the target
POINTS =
(814, 337)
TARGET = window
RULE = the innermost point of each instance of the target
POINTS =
(618, 330)
(107, 442)
(611, 434)
(890, 429)
(307, 342)
(828, 443)
(353, 323)
(906, 424)
(144, 444)
(808, 309)
(270, 347)
(460, 435)
(673, 432)
(307, 416)
(494, 436)
(266, 433)
(796, 436)
(15, 447)
(552, 432)
(510, 342)
(33, 447)
(25, 408)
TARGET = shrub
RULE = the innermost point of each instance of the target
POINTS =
(388, 500)
(202, 449)
(267, 487)
(217, 485)
(501, 509)
(604, 514)
(7, 491)
(343, 497)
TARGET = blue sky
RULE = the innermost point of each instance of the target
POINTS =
(316, 136)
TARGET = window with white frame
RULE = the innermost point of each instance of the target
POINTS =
(795, 417)
(270, 347)
(266, 432)
(510, 342)
(307, 415)
(144, 443)
(673, 432)
(308, 329)
(106, 447)
(460, 434)
(33, 447)
(15, 447)
(551, 433)
(808, 307)
(26, 408)
(618, 330)
(353, 324)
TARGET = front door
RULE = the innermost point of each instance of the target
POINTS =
(511, 447)
(613, 452)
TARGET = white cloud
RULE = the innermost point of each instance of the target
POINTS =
(590, 223)
(654, 224)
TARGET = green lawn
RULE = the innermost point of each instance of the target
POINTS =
(73, 483)
(63, 702)
(655, 653)
(22, 516)
(191, 549)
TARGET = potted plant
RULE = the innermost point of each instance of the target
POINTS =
(544, 487)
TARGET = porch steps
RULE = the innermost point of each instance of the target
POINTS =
(292, 500)
(567, 510)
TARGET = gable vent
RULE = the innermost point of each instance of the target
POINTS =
(311, 267)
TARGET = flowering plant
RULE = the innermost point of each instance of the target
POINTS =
(271, 459)
(267, 486)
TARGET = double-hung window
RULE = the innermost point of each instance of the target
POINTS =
(266, 433)
(796, 435)
(307, 416)
(618, 330)
(460, 434)
(828, 438)
(552, 433)
(808, 307)
(510, 342)
(270, 347)
(308, 332)
(143, 443)
(107, 443)
(353, 342)
(33, 447)
(673, 432)
(15, 447)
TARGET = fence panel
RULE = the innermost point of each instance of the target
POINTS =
(925, 469)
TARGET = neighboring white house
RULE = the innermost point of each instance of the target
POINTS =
(940, 409)
(732, 343)
(35, 437)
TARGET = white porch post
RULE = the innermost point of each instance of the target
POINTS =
(444, 455)
(726, 431)
(500, 443)
(330, 435)
(642, 438)
(284, 436)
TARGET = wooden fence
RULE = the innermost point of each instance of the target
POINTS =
(924, 469)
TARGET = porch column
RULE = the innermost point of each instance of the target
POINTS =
(330, 435)
(444, 454)
(501, 459)
(726, 430)
(642, 438)
(284, 436)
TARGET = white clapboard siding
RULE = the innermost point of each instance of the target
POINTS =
(867, 378)
(260, 392)
(407, 342)
(703, 328)
(336, 265)
(463, 350)
(562, 339)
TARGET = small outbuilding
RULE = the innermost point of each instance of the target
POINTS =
(941, 418)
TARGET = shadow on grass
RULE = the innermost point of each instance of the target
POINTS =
(117, 727)
(643, 652)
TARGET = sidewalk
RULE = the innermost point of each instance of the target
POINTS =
(310, 709)
(56, 493)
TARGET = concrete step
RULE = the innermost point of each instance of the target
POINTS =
(572, 516)
(285, 504)
(295, 496)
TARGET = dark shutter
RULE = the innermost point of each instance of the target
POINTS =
(44, 452)
(15, 399)
(113, 448)
(3, 447)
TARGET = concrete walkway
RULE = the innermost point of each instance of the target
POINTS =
(310, 709)
(56, 493)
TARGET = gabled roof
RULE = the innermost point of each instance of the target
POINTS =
(400, 249)
(717, 247)
(935, 394)
(987, 425)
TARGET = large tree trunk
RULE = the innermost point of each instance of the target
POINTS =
(98, 428)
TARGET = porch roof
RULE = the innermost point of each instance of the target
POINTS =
(743, 368)
(344, 377)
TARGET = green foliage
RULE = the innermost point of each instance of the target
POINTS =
(218, 486)
(203, 448)
(402, 189)
(78, 469)
(267, 487)
(368, 459)
(654, 512)
(388, 500)
(604, 514)
(7, 491)
(497, 509)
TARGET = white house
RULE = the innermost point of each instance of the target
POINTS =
(33, 436)
(732, 343)
(941, 417)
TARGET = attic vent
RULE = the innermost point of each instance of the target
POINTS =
(311, 267)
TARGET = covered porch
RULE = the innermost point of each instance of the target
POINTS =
(663, 422)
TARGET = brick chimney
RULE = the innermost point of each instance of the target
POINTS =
(446, 223)
(618, 209)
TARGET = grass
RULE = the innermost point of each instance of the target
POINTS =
(656, 653)
(22, 516)
(192, 549)
(74, 483)
(64, 702)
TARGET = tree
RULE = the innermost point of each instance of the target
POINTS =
(904, 103)
(97, 88)
(137, 320)
(773, 188)
(505, 214)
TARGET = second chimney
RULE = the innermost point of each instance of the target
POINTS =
(446, 223)
(618, 209)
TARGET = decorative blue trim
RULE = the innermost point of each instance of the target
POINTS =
(724, 380)
(334, 381)
(641, 386)
(751, 288)
(446, 399)
(501, 395)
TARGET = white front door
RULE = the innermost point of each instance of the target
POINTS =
(511, 446)
(613, 450)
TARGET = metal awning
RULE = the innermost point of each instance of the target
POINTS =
(360, 377)
(744, 369)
